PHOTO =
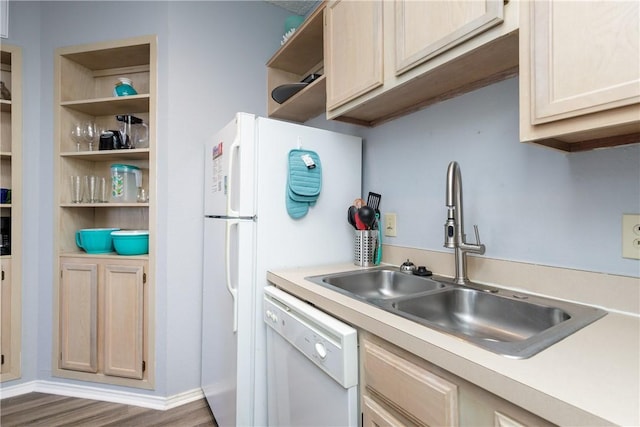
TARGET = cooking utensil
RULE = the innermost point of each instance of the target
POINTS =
(360, 225)
(368, 216)
(373, 201)
(358, 203)
(351, 216)
(284, 92)
(378, 252)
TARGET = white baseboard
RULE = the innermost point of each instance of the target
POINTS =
(106, 395)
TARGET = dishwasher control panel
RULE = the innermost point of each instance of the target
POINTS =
(329, 343)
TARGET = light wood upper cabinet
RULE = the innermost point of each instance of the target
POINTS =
(389, 58)
(353, 49)
(423, 29)
(580, 73)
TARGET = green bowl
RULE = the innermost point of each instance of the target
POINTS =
(95, 240)
(131, 242)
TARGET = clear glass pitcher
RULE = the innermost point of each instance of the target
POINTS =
(135, 131)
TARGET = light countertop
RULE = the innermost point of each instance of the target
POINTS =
(591, 377)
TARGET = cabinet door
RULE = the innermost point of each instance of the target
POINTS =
(123, 320)
(353, 49)
(584, 57)
(377, 415)
(424, 29)
(412, 389)
(79, 317)
(5, 316)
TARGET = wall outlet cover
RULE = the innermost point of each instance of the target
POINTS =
(631, 236)
(390, 225)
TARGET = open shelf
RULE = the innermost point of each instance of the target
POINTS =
(301, 55)
(109, 155)
(110, 105)
(110, 255)
(104, 205)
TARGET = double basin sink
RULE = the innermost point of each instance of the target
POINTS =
(509, 323)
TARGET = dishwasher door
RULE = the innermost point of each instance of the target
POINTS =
(312, 365)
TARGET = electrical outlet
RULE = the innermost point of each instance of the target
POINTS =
(390, 225)
(631, 236)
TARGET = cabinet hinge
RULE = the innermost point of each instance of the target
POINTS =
(144, 277)
(2, 357)
(144, 366)
(2, 275)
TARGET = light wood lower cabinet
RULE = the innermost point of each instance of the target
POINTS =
(103, 316)
(79, 316)
(5, 317)
(401, 389)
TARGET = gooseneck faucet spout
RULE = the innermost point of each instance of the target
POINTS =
(454, 237)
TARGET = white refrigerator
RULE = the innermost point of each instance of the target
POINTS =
(251, 226)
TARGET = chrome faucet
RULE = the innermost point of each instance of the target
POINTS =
(454, 227)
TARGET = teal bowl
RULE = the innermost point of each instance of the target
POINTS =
(95, 240)
(131, 242)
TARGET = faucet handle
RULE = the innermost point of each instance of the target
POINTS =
(475, 229)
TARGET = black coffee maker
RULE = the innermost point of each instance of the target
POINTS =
(112, 140)
(120, 139)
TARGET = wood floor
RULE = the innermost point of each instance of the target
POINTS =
(39, 409)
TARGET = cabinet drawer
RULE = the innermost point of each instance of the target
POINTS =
(421, 394)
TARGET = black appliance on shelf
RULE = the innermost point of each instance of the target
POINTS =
(5, 235)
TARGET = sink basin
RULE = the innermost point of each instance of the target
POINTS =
(483, 315)
(512, 324)
(378, 284)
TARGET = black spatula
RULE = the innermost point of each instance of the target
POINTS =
(373, 201)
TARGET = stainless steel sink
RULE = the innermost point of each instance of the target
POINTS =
(377, 284)
(482, 315)
(511, 324)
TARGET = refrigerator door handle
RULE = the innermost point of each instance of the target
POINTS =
(227, 254)
(234, 150)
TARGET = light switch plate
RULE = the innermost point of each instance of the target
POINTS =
(390, 225)
(631, 236)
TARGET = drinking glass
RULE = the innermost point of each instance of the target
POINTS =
(103, 190)
(77, 131)
(89, 134)
(76, 189)
(92, 188)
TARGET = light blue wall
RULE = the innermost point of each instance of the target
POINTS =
(208, 69)
(531, 203)
(28, 37)
(218, 53)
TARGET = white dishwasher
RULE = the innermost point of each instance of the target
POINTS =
(312, 365)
